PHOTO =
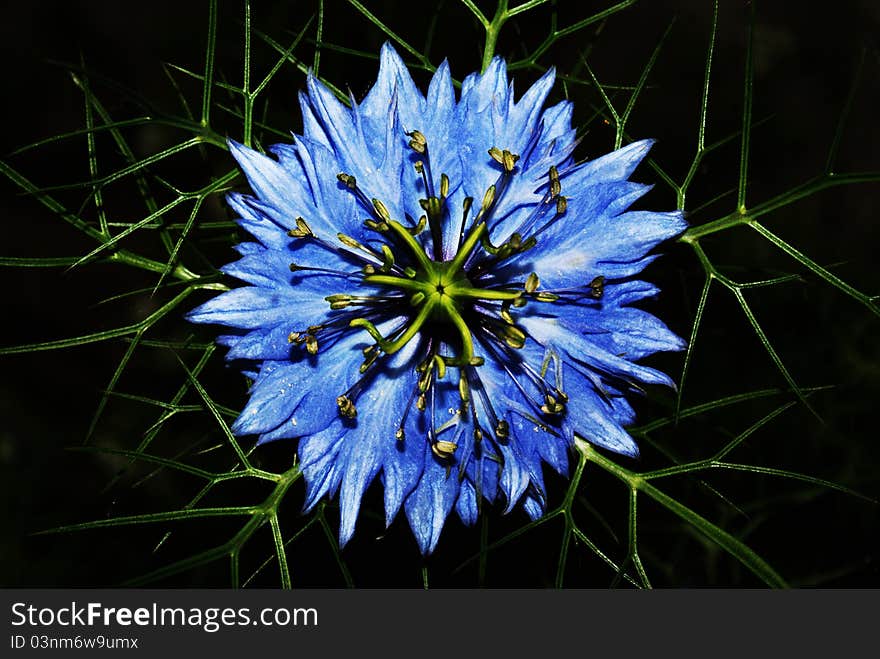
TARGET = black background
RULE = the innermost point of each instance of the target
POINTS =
(805, 60)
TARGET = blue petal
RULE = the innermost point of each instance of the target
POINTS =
(466, 506)
(479, 91)
(403, 463)
(440, 99)
(273, 184)
(271, 345)
(262, 221)
(590, 416)
(251, 307)
(533, 506)
(615, 166)
(285, 397)
(617, 329)
(429, 504)
(393, 78)
(579, 350)
(380, 412)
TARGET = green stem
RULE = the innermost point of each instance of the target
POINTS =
(732, 545)
(248, 119)
(722, 224)
(493, 29)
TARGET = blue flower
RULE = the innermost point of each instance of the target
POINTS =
(440, 296)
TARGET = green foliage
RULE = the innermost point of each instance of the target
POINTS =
(596, 533)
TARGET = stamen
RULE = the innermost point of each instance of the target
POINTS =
(555, 184)
(552, 406)
(444, 449)
(513, 336)
(296, 267)
(347, 408)
(302, 230)
(338, 301)
(349, 181)
(348, 241)
(505, 314)
(488, 200)
(465, 211)
(433, 205)
(444, 186)
(505, 158)
(532, 283)
(369, 361)
(508, 161)
(464, 391)
(418, 143)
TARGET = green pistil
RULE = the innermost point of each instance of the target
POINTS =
(412, 244)
(439, 288)
(483, 293)
(399, 282)
(390, 347)
(467, 341)
(439, 292)
(467, 247)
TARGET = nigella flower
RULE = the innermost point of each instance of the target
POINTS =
(439, 295)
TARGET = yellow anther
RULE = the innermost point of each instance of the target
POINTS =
(532, 283)
(444, 449)
(346, 407)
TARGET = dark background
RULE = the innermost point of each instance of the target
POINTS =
(806, 58)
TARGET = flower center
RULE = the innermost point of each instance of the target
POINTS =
(455, 304)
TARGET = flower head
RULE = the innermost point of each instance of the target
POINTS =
(439, 295)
